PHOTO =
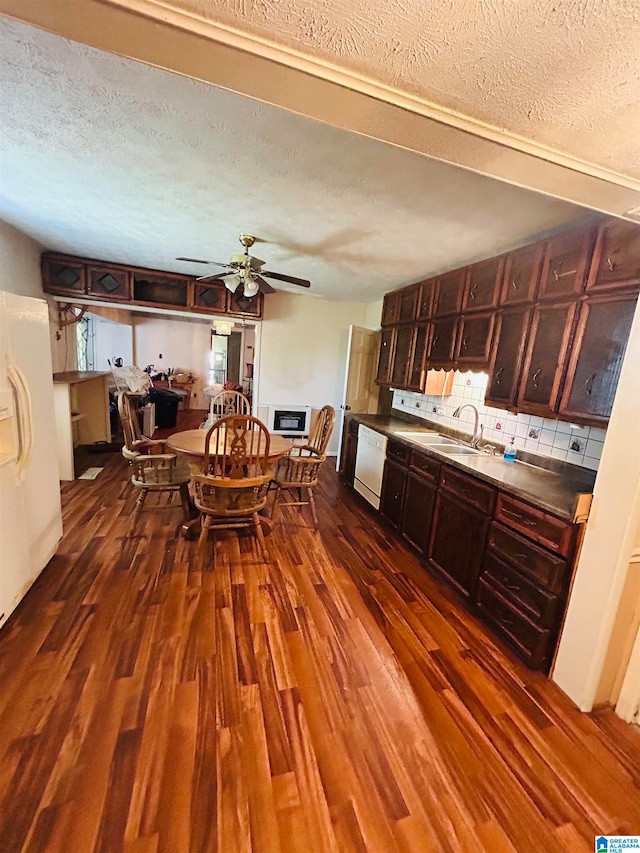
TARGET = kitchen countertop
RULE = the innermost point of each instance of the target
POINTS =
(559, 492)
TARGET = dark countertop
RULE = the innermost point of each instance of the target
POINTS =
(556, 491)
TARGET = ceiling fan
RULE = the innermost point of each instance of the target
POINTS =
(246, 271)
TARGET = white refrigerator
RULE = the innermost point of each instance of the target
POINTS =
(30, 514)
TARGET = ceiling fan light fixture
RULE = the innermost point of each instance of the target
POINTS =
(222, 327)
(231, 282)
(251, 287)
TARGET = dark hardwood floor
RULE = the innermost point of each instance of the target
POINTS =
(336, 699)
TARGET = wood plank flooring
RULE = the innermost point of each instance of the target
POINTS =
(336, 699)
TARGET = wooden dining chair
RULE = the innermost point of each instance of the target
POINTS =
(297, 473)
(154, 470)
(228, 403)
(233, 488)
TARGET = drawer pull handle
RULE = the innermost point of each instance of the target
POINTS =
(558, 275)
(588, 385)
(534, 378)
(465, 342)
(610, 264)
(520, 517)
(514, 284)
(472, 292)
(523, 557)
(504, 621)
(514, 586)
(498, 375)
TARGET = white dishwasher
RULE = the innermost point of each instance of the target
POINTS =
(372, 451)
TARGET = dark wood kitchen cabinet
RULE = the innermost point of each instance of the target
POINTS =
(416, 376)
(63, 276)
(482, 288)
(521, 275)
(448, 299)
(602, 331)
(616, 258)
(392, 496)
(512, 326)
(427, 298)
(401, 356)
(161, 289)
(443, 341)
(408, 303)
(210, 298)
(390, 306)
(109, 282)
(350, 451)
(545, 358)
(419, 501)
(565, 264)
(475, 334)
(461, 519)
(385, 356)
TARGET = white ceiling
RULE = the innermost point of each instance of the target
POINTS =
(564, 73)
(110, 158)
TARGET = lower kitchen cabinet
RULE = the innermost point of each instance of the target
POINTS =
(350, 451)
(461, 520)
(393, 486)
(417, 511)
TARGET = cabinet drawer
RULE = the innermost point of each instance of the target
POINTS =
(529, 641)
(426, 466)
(538, 525)
(469, 489)
(399, 452)
(544, 568)
(536, 603)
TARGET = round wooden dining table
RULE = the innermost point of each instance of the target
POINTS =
(190, 443)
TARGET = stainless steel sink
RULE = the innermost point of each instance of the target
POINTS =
(427, 438)
(456, 450)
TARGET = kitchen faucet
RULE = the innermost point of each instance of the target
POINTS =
(476, 438)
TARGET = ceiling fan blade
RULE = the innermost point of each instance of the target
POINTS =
(198, 261)
(290, 278)
(265, 287)
(214, 276)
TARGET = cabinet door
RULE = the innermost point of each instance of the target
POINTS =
(62, 276)
(449, 292)
(417, 511)
(350, 452)
(509, 342)
(616, 259)
(604, 323)
(521, 275)
(246, 306)
(162, 290)
(390, 309)
(545, 359)
(401, 356)
(408, 307)
(458, 536)
(483, 285)
(419, 349)
(474, 340)
(392, 497)
(426, 300)
(385, 356)
(211, 298)
(107, 282)
(565, 264)
(443, 341)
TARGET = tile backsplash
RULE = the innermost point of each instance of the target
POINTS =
(580, 445)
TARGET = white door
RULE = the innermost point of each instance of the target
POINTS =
(360, 391)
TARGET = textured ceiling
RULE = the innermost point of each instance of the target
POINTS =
(564, 73)
(110, 158)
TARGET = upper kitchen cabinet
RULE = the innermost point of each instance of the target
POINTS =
(245, 306)
(474, 339)
(161, 290)
(545, 358)
(616, 259)
(211, 297)
(418, 361)
(602, 331)
(105, 281)
(408, 303)
(521, 275)
(402, 356)
(512, 326)
(565, 264)
(62, 275)
(385, 356)
(449, 293)
(482, 288)
(443, 342)
(390, 308)
(428, 290)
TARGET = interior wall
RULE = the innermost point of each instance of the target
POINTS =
(111, 340)
(580, 445)
(609, 541)
(170, 342)
(20, 273)
(303, 351)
